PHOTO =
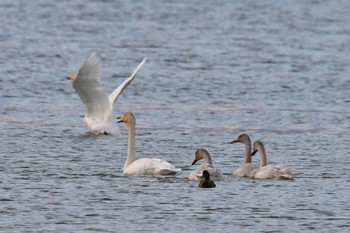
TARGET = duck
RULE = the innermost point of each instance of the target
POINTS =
(215, 173)
(275, 171)
(98, 106)
(143, 166)
(206, 182)
(247, 168)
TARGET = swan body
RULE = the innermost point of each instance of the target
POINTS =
(98, 106)
(150, 166)
(278, 172)
(247, 169)
(144, 166)
(205, 181)
(215, 173)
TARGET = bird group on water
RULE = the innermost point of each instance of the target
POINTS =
(99, 118)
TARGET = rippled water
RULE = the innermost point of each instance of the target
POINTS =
(276, 70)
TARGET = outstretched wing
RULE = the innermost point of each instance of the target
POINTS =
(89, 89)
(114, 95)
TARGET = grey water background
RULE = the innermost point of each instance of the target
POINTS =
(277, 70)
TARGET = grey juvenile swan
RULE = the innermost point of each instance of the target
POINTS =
(279, 172)
(247, 168)
(214, 172)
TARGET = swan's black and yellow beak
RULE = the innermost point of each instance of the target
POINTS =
(120, 118)
(71, 76)
(254, 152)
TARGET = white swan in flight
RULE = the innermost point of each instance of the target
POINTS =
(278, 172)
(214, 172)
(247, 168)
(98, 105)
(144, 166)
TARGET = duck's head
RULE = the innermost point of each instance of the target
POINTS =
(206, 175)
(243, 138)
(71, 76)
(127, 118)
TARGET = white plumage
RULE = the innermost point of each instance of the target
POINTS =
(99, 106)
(144, 166)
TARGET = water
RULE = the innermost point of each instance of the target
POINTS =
(276, 70)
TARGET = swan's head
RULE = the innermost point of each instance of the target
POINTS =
(205, 175)
(257, 146)
(200, 153)
(243, 138)
(127, 118)
(71, 76)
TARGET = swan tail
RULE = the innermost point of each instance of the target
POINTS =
(168, 171)
(285, 177)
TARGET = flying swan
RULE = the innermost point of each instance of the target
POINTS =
(98, 105)
(144, 166)
(247, 168)
(278, 172)
(214, 172)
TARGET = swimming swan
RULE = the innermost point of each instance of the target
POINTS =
(98, 105)
(214, 172)
(247, 168)
(144, 166)
(206, 182)
(279, 172)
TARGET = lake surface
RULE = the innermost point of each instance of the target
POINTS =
(277, 70)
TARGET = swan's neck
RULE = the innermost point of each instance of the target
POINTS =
(131, 146)
(207, 159)
(263, 161)
(248, 149)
